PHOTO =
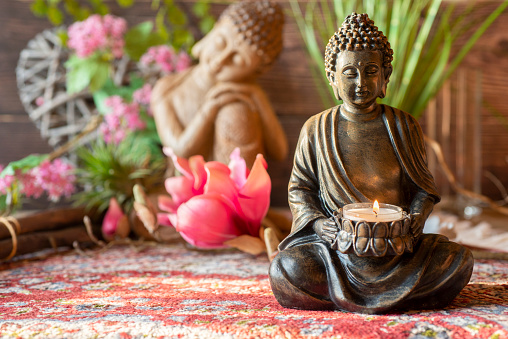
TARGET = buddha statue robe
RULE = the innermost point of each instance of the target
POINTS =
(308, 274)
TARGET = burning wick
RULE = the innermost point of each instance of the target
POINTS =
(375, 208)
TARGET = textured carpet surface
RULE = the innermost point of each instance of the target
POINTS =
(172, 292)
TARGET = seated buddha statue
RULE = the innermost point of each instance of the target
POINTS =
(361, 151)
(217, 105)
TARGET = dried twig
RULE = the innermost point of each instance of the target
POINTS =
(498, 184)
(453, 182)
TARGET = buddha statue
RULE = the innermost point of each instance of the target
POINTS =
(217, 105)
(358, 152)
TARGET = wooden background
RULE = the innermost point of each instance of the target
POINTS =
(290, 87)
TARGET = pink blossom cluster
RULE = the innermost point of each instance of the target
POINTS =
(121, 120)
(166, 59)
(98, 33)
(55, 178)
(142, 96)
(5, 182)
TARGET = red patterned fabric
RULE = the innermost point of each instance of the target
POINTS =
(172, 292)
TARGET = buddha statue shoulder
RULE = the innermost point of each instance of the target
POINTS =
(352, 155)
(216, 105)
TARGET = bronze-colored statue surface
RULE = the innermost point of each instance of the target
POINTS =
(217, 106)
(362, 151)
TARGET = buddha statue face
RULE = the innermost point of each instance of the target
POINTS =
(245, 41)
(225, 56)
(358, 62)
(360, 78)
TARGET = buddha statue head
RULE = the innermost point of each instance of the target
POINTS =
(358, 62)
(246, 39)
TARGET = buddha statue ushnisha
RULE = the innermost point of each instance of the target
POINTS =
(217, 106)
(351, 155)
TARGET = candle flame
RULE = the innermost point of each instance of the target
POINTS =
(375, 207)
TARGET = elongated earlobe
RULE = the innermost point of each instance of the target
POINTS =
(387, 71)
(336, 92)
(383, 91)
(335, 88)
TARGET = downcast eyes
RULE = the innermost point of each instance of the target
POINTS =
(352, 72)
(370, 70)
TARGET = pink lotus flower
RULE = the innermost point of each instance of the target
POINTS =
(212, 203)
(115, 222)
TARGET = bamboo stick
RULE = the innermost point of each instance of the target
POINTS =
(46, 220)
(38, 241)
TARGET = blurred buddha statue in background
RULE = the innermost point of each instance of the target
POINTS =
(216, 106)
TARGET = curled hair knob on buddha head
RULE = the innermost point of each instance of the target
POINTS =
(357, 33)
(259, 23)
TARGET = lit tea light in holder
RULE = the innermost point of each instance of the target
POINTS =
(373, 229)
(372, 212)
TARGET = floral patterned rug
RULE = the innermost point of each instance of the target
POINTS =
(173, 292)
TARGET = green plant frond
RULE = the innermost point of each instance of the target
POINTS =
(112, 170)
(432, 81)
(327, 14)
(417, 49)
(476, 35)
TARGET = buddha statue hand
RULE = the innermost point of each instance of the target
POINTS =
(326, 229)
(420, 210)
(417, 223)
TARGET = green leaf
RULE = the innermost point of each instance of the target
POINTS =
(161, 25)
(55, 15)
(24, 165)
(39, 8)
(100, 73)
(79, 75)
(176, 16)
(182, 37)
(206, 24)
(201, 8)
(3, 204)
(125, 3)
(78, 12)
(141, 37)
(63, 36)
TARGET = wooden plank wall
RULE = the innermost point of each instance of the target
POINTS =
(289, 85)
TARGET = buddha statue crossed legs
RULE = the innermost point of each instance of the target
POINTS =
(363, 151)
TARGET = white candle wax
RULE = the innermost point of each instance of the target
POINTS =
(365, 212)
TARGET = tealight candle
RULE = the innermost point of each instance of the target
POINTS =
(371, 213)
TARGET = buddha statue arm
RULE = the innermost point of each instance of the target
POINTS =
(304, 201)
(420, 209)
(274, 138)
(238, 125)
(186, 140)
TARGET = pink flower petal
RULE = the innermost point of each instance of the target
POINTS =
(164, 219)
(197, 167)
(166, 204)
(254, 196)
(208, 220)
(180, 189)
(219, 181)
(181, 164)
(238, 167)
(112, 217)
